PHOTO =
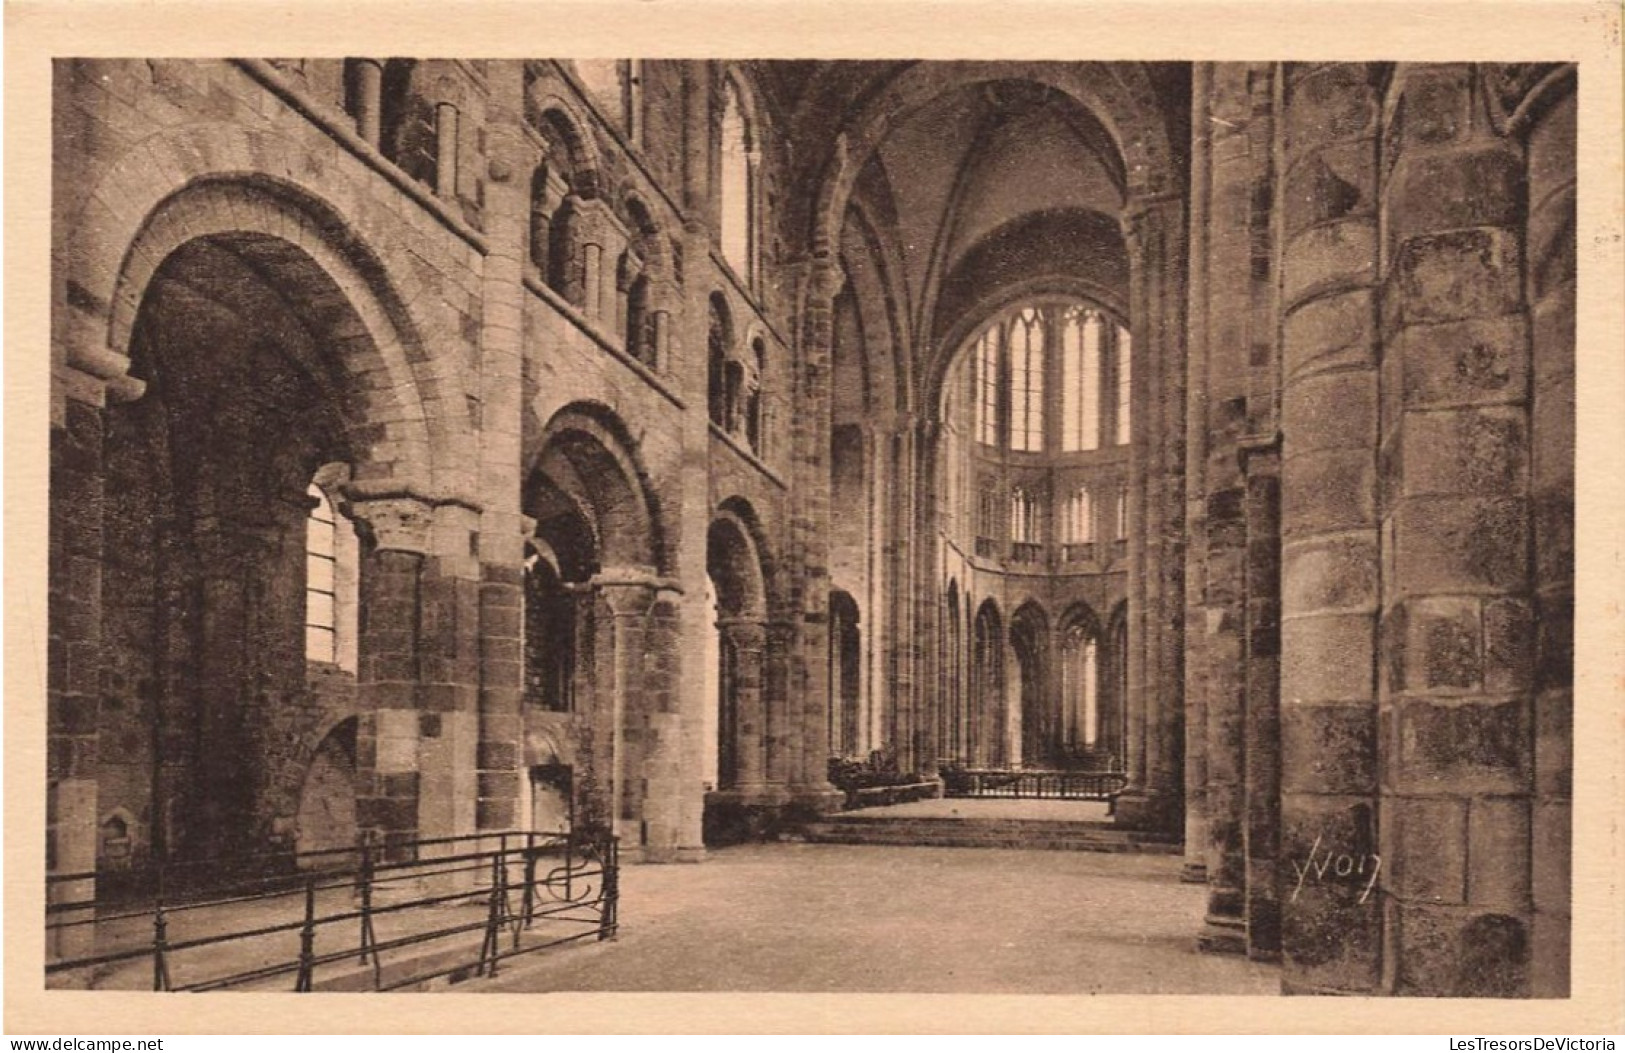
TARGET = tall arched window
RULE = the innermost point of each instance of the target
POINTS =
(985, 387)
(321, 579)
(1080, 382)
(1027, 382)
(1125, 377)
(738, 239)
(332, 571)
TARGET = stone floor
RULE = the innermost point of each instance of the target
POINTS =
(824, 918)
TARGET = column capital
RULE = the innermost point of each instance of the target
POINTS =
(398, 523)
(629, 591)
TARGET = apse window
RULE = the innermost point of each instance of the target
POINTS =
(738, 185)
(1017, 385)
(1027, 382)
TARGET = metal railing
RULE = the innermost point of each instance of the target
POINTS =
(521, 891)
(1059, 785)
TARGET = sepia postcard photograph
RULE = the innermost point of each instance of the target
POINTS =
(1089, 503)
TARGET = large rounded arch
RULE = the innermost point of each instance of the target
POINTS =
(734, 563)
(586, 461)
(303, 255)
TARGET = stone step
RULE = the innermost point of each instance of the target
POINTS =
(989, 833)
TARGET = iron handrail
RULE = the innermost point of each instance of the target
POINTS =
(1053, 784)
(584, 886)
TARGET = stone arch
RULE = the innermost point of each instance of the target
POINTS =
(272, 344)
(845, 665)
(985, 722)
(735, 561)
(647, 235)
(871, 279)
(735, 571)
(587, 453)
(547, 110)
(1029, 645)
(1119, 95)
(328, 275)
(1079, 615)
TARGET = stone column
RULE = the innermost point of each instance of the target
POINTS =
(811, 534)
(1261, 813)
(779, 731)
(1457, 732)
(748, 639)
(901, 689)
(512, 218)
(396, 540)
(601, 241)
(925, 587)
(445, 150)
(448, 689)
(1550, 251)
(662, 762)
(369, 96)
(662, 350)
(1329, 561)
(1155, 235)
(1196, 660)
(1241, 327)
(73, 650)
(619, 714)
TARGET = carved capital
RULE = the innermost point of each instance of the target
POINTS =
(400, 524)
